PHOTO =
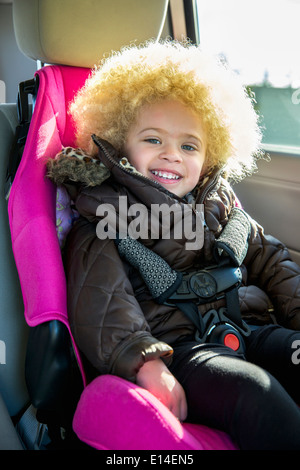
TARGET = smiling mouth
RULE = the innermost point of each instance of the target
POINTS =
(165, 175)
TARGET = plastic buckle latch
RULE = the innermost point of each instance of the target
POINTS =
(206, 285)
(24, 109)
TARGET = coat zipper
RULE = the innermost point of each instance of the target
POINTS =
(209, 187)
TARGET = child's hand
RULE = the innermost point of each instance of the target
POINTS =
(155, 377)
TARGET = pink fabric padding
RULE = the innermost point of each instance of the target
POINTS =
(31, 205)
(114, 414)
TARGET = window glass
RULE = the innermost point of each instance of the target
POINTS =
(260, 40)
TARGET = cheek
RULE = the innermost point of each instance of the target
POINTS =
(140, 158)
(196, 169)
(131, 155)
(139, 161)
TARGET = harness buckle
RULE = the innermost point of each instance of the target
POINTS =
(206, 285)
(220, 329)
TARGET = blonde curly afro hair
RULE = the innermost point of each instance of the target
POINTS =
(112, 96)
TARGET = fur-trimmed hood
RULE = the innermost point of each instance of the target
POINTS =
(73, 165)
(73, 168)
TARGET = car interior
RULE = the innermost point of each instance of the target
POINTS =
(45, 402)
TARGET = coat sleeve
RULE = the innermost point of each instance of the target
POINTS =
(107, 322)
(271, 268)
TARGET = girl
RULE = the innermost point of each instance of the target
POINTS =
(173, 126)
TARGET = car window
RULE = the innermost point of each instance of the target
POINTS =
(260, 40)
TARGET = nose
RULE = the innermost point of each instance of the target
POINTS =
(171, 153)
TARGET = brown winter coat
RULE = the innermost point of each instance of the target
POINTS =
(116, 323)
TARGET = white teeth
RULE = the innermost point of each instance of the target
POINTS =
(162, 174)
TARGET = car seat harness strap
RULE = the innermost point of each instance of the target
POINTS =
(188, 290)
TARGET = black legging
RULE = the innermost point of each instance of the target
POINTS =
(239, 396)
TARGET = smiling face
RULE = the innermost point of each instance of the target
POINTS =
(167, 144)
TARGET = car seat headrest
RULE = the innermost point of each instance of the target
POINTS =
(79, 33)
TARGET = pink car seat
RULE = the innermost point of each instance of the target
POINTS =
(109, 413)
